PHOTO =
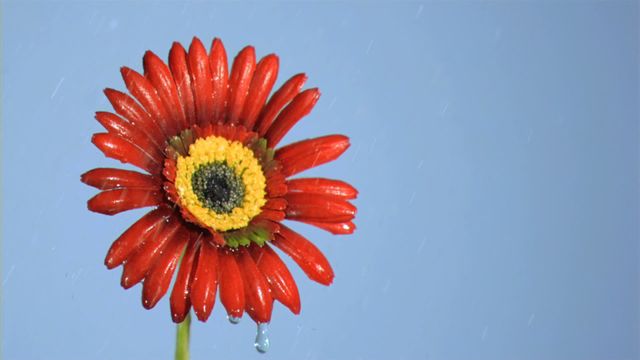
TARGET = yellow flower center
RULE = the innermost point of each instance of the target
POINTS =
(220, 183)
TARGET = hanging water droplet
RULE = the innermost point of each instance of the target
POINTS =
(232, 319)
(262, 338)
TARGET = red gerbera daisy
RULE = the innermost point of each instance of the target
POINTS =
(206, 138)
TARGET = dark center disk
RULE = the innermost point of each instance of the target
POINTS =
(218, 187)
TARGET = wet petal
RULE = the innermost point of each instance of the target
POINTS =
(299, 107)
(201, 82)
(231, 285)
(160, 77)
(305, 254)
(179, 300)
(239, 81)
(128, 108)
(310, 153)
(146, 94)
(205, 281)
(111, 202)
(137, 265)
(261, 85)
(280, 98)
(118, 148)
(180, 71)
(118, 126)
(283, 287)
(220, 76)
(159, 276)
(259, 302)
(142, 229)
(322, 208)
(322, 186)
(110, 178)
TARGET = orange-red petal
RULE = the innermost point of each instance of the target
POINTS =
(322, 208)
(310, 153)
(205, 281)
(239, 81)
(322, 186)
(305, 254)
(137, 265)
(283, 287)
(180, 71)
(111, 202)
(220, 76)
(279, 99)
(146, 94)
(121, 127)
(160, 77)
(158, 278)
(201, 82)
(299, 107)
(145, 227)
(179, 300)
(115, 147)
(261, 85)
(110, 178)
(259, 302)
(336, 228)
(128, 108)
(231, 284)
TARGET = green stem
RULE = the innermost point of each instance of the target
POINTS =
(182, 338)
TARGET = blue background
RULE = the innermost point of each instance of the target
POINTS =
(495, 146)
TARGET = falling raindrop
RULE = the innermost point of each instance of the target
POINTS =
(262, 339)
(232, 319)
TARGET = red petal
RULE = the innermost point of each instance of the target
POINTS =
(135, 235)
(205, 281)
(179, 300)
(276, 204)
(273, 215)
(129, 109)
(159, 276)
(322, 208)
(283, 287)
(322, 186)
(261, 85)
(241, 73)
(310, 153)
(146, 94)
(180, 71)
(279, 99)
(160, 77)
(305, 254)
(107, 178)
(111, 202)
(201, 82)
(118, 126)
(259, 302)
(118, 148)
(299, 107)
(220, 75)
(336, 228)
(137, 265)
(231, 285)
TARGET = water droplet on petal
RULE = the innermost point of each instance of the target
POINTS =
(262, 338)
(232, 319)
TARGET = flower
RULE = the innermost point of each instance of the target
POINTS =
(206, 139)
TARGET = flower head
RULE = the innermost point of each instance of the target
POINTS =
(207, 139)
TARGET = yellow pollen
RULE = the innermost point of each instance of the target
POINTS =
(243, 162)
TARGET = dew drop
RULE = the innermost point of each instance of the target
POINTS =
(262, 339)
(232, 319)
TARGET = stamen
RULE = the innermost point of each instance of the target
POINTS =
(218, 187)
